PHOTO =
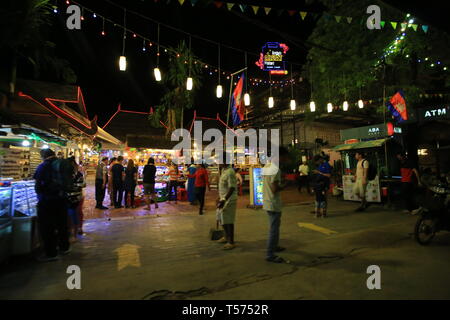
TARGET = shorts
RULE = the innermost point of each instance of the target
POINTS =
(149, 188)
(359, 189)
(321, 204)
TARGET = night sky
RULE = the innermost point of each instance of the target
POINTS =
(94, 57)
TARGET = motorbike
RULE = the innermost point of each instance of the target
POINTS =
(435, 215)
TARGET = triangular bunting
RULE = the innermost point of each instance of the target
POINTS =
(349, 19)
(403, 25)
(382, 23)
(230, 5)
(425, 29)
(338, 18)
(267, 10)
(394, 25)
(292, 12)
(255, 9)
(194, 2)
(303, 14)
(414, 26)
(243, 7)
(181, 2)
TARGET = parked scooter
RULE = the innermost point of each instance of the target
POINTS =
(435, 216)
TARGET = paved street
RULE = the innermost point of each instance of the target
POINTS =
(170, 257)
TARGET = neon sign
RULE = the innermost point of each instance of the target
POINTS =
(272, 57)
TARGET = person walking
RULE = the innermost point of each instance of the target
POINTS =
(173, 181)
(101, 180)
(227, 203)
(110, 181)
(361, 180)
(51, 208)
(201, 182)
(130, 183)
(191, 183)
(410, 177)
(117, 175)
(149, 174)
(272, 186)
(303, 170)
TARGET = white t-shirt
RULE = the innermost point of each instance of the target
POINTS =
(271, 201)
(362, 164)
(303, 169)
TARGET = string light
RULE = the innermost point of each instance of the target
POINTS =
(156, 71)
(189, 82)
(123, 59)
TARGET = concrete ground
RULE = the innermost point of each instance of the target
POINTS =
(139, 256)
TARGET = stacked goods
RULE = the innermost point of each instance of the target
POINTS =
(35, 160)
(13, 163)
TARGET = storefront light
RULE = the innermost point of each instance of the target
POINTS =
(45, 146)
(26, 143)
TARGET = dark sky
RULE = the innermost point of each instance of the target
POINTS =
(94, 57)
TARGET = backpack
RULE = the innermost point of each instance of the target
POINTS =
(62, 177)
(372, 172)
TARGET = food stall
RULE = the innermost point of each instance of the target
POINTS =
(379, 143)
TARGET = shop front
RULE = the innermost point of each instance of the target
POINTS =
(379, 143)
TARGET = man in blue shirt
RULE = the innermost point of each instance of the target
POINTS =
(51, 209)
(321, 184)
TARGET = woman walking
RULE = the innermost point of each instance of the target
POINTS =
(227, 203)
(130, 183)
(201, 182)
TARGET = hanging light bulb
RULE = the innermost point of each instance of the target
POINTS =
(271, 102)
(157, 73)
(293, 104)
(312, 106)
(123, 63)
(219, 91)
(189, 83)
(26, 143)
(247, 99)
(329, 107)
(345, 105)
(360, 104)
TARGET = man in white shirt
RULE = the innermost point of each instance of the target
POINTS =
(303, 180)
(361, 180)
(272, 186)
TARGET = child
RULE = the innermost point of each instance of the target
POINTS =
(320, 184)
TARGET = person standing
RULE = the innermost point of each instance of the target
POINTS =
(272, 186)
(130, 183)
(322, 175)
(239, 180)
(76, 200)
(110, 181)
(173, 181)
(227, 203)
(101, 179)
(191, 183)
(117, 174)
(410, 176)
(201, 182)
(303, 170)
(361, 180)
(51, 208)
(149, 174)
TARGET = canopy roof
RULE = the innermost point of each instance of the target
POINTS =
(361, 145)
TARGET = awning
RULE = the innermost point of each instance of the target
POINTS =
(361, 145)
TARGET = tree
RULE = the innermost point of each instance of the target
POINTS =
(177, 97)
(359, 62)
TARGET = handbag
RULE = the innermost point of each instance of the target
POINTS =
(216, 233)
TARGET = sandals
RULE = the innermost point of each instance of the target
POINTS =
(229, 246)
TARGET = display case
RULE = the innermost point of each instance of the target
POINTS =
(5, 223)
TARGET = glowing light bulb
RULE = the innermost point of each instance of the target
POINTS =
(157, 74)
(247, 99)
(271, 102)
(219, 91)
(293, 104)
(345, 106)
(329, 107)
(123, 63)
(189, 84)
(360, 104)
(312, 106)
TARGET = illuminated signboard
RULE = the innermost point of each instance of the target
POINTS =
(434, 113)
(257, 186)
(272, 57)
